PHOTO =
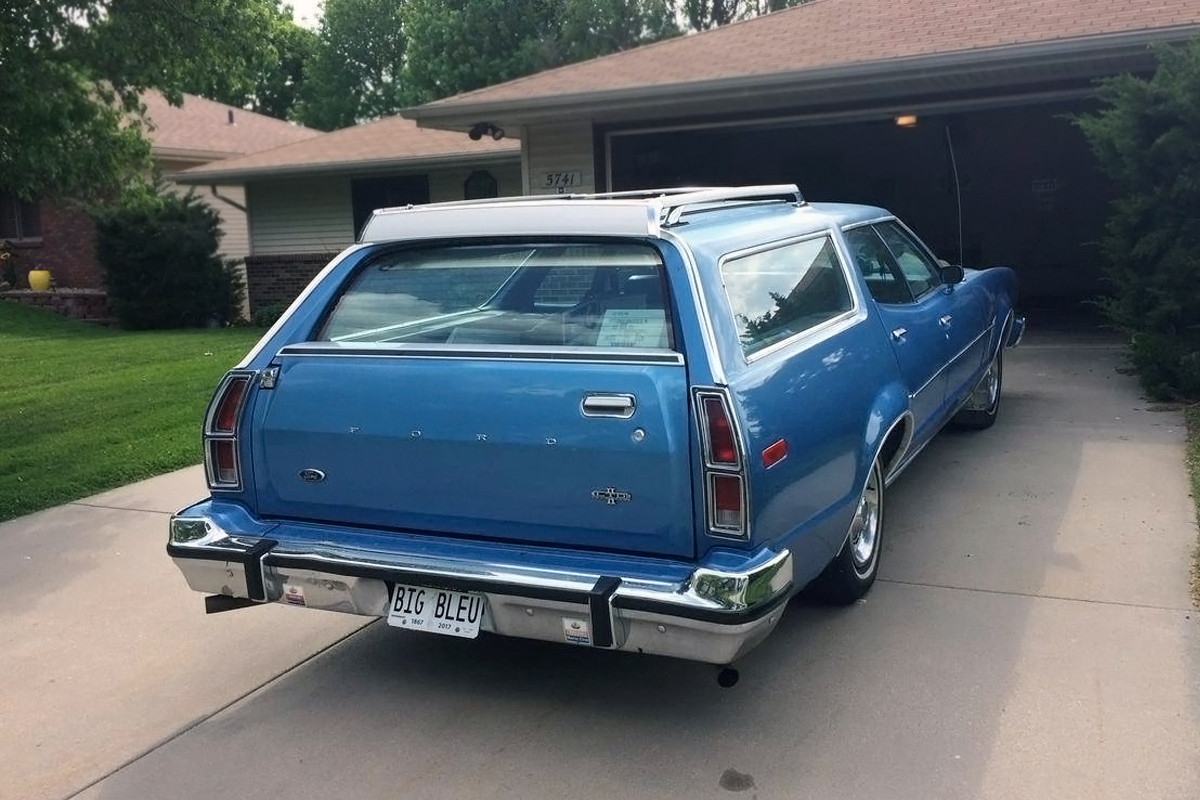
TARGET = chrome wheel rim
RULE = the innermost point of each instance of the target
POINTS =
(992, 381)
(864, 529)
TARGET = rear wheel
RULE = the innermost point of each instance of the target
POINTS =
(984, 403)
(852, 572)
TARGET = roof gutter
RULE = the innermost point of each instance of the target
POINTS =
(886, 76)
(236, 176)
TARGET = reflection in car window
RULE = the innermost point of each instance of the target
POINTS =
(778, 293)
(575, 295)
(918, 268)
(886, 283)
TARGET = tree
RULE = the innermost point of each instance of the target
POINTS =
(703, 15)
(591, 28)
(73, 71)
(459, 45)
(354, 74)
(273, 81)
(1147, 140)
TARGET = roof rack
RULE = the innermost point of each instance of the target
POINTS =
(674, 208)
(659, 208)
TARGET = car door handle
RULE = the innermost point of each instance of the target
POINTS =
(945, 321)
(609, 405)
(899, 334)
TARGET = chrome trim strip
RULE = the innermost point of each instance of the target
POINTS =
(946, 366)
(895, 467)
(985, 332)
(497, 352)
(704, 315)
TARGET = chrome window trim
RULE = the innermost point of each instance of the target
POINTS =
(817, 333)
(493, 352)
(708, 333)
(923, 248)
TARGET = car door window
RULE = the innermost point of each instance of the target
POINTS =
(778, 293)
(918, 267)
(886, 283)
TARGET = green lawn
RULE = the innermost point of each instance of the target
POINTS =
(85, 408)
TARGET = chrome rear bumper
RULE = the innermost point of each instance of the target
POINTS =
(712, 613)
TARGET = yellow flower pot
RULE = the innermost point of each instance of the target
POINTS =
(39, 280)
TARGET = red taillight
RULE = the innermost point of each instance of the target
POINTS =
(220, 433)
(727, 501)
(223, 458)
(724, 470)
(225, 418)
(722, 449)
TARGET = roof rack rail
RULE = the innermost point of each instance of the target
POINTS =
(657, 207)
(674, 208)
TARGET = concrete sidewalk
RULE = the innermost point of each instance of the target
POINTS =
(106, 652)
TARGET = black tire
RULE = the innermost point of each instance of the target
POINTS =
(852, 572)
(977, 419)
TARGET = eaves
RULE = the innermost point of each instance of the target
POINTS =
(1010, 65)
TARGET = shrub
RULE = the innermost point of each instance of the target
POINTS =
(265, 316)
(158, 253)
(1147, 140)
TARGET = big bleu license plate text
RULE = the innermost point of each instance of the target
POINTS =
(436, 610)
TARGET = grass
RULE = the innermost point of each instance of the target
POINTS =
(84, 408)
(1192, 415)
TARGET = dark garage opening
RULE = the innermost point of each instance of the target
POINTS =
(1032, 197)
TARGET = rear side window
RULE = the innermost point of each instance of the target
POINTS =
(535, 294)
(776, 294)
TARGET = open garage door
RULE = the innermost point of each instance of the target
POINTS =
(1031, 196)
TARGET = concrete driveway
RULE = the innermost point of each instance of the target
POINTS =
(1031, 636)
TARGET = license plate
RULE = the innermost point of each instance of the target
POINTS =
(436, 611)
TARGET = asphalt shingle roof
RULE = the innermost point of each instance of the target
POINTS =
(392, 139)
(830, 33)
(202, 127)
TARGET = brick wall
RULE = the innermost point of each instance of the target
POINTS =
(66, 249)
(274, 279)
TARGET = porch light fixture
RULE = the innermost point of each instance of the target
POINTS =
(906, 120)
(481, 129)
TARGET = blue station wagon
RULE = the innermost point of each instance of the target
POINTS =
(639, 421)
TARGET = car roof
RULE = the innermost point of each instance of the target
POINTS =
(717, 230)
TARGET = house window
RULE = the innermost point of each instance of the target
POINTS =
(368, 194)
(19, 219)
(480, 185)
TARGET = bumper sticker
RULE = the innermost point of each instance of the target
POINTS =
(575, 631)
(293, 595)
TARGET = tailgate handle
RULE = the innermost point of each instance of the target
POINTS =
(608, 405)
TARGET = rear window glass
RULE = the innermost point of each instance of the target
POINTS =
(779, 293)
(571, 295)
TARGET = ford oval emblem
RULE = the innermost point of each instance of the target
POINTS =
(312, 475)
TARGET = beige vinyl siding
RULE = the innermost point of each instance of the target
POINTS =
(306, 215)
(447, 184)
(558, 149)
(236, 241)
